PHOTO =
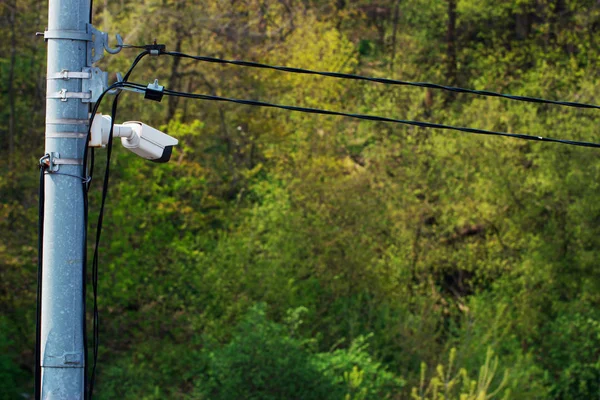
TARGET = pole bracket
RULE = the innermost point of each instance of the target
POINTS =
(97, 41)
(96, 84)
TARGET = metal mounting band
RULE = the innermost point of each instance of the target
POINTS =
(69, 35)
(67, 161)
(66, 135)
(64, 95)
(67, 121)
(66, 74)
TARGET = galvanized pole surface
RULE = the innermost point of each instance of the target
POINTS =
(62, 338)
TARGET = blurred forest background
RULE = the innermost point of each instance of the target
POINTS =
(290, 256)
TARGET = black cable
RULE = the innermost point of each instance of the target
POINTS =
(84, 284)
(380, 119)
(340, 75)
(83, 180)
(38, 324)
(86, 187)
(97, 245)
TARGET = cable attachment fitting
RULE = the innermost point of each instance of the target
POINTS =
(117, 90)
(154, 91)
(155, 49)
(45, 161)
(51, 162)
(99, 42)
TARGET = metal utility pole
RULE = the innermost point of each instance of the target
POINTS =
(67, 103)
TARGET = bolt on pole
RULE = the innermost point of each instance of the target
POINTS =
(62, 309)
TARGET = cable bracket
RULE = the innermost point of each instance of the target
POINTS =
(96, 84)
(99, 42)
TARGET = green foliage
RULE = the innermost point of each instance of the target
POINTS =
(355, 369)
(157, 369)
(262, 362)
(572, 351)
(449, 384)
(265, 360)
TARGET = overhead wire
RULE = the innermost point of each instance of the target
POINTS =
(339, 75)
(379, 118)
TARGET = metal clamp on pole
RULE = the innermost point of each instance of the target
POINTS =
(68, 35)
(53, 161)
(98, 41)
(65, 95)
(66, 75)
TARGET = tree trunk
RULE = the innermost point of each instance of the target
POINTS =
(451, 44)
(394, 34)
(11, 86)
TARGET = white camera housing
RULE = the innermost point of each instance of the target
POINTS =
(142, 139)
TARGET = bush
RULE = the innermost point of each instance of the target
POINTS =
(449, 384)
(265, 361)
(571, 348)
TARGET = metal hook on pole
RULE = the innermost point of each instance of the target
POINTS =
(119, 44)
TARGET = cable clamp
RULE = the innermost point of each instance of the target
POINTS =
(51, 162)
(155, 49)
(154, 91)
(45, 161)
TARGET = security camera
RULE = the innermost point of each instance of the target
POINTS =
(143, 140)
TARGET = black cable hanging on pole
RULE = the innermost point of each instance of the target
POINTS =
(87, 183)
(38, 324)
